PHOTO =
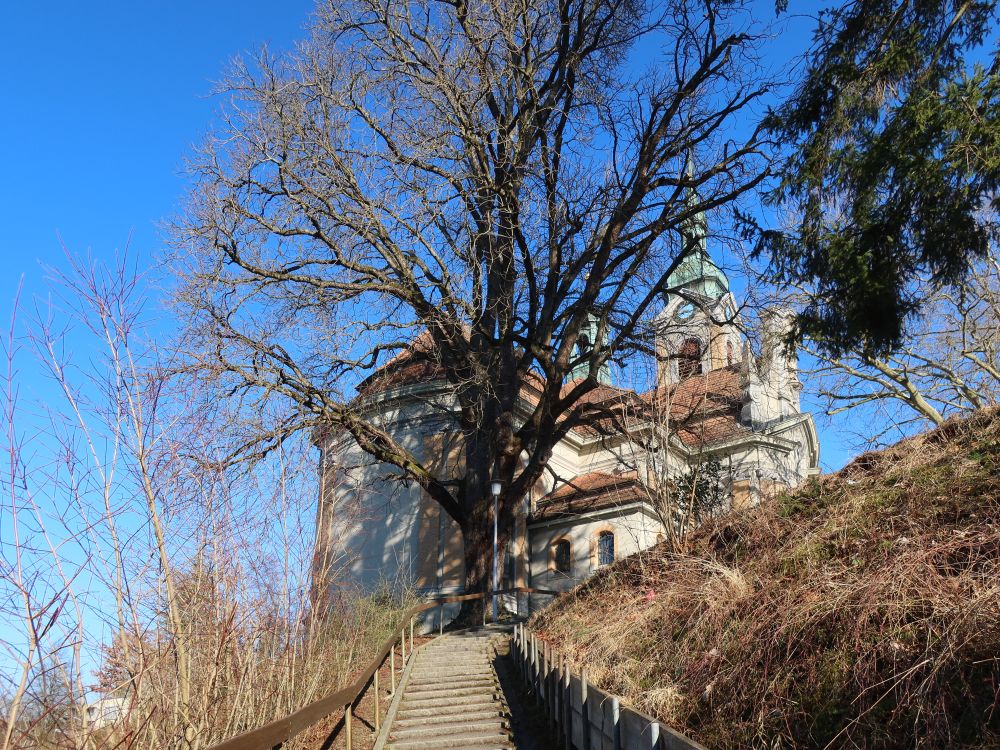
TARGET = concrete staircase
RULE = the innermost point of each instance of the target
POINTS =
(450, 698)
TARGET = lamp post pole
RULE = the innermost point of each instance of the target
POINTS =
(495, 491)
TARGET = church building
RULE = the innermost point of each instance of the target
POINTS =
(608, 494)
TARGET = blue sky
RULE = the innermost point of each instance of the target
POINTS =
(103, 102)
(105, 99)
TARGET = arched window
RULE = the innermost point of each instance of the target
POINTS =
(605, 548)
(689, 359)
(562, 558)
(729, 353)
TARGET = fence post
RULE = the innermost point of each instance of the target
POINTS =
(529, 666)
(520, 654)
(392, 667)
(560, 703)
(527, 657)
(348, 721)
(654, 735)
(441, 620)
(554, 687)
(584, 709)
(560, 695)
(567, 692)
(550, 688)
(616, 723)
(543, 682)
(536, 659)
(402, 649)
(536, 669)
(411, 635)
(550, 685)
(378, 702)
(484, 609)
(520, 651)
(531, 661)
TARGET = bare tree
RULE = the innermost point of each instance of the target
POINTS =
(949, 362)
(39, 607)
(128, 550)
(501, 175)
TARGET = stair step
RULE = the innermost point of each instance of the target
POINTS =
(445, 716)
(456, 692)
(453, 742)
(445, 713)
(497, 726)
(435, 685)
(446, 669)
(434, 704)
(439, 701)
(453, 660)
(418, 677)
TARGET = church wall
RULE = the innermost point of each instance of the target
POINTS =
(381, 530)
(633, 532)
(764, 468)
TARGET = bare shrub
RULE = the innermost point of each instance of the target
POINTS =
(153, 594)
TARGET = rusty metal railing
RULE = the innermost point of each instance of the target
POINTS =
(274, 735)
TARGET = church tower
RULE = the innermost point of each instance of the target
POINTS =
(697, 330)
(585, 344)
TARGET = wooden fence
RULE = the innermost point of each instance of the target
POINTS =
(584, 717)
(274, 735)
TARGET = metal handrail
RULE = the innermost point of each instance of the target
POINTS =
(277, 732)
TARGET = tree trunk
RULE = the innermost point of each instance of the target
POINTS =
(477, 550)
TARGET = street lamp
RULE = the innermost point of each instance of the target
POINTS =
(495, 487)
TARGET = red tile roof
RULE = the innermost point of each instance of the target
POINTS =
(590, 492)
(414, 364)
(716, 429)
(703, 409)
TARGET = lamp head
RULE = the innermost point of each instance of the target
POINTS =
(495, 488)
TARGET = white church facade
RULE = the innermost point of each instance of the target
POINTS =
(606, 495)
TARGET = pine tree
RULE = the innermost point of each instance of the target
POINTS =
(894, 159)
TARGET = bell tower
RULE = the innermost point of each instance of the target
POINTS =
(697, 330)
(586, 342)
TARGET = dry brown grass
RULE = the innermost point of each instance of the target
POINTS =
(862, 610)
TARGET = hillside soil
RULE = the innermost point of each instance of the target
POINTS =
(860, 611)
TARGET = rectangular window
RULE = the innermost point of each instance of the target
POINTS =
(563, 559)
(605, 548)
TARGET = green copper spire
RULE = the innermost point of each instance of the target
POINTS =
(697, 273)
(586, 341)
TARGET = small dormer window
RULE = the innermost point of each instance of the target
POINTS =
(689, 359)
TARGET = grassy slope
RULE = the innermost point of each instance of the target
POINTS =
(862, 610)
